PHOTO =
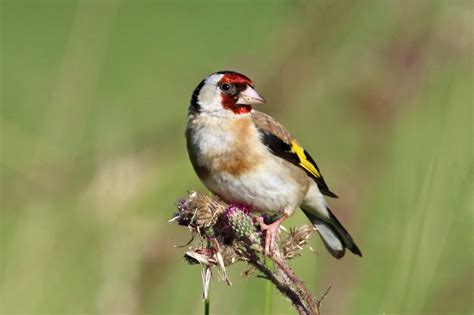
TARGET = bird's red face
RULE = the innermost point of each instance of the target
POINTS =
(225, 91)
(237, 93)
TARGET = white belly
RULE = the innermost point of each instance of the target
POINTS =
(268, 188)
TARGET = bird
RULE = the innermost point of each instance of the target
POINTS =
(247, 157)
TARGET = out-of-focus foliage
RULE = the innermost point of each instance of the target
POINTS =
(94, 97)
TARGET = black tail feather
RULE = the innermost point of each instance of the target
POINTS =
(331, 228)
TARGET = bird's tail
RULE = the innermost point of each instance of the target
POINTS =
(334, 235)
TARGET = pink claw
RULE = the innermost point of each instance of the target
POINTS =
(272, 233)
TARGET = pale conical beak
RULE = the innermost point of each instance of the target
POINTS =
(250, 97)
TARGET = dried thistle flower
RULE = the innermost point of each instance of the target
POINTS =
(203, 256)
(199, 212)
(296, 239)
(228, 234)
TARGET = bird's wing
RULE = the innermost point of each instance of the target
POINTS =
(281, 143)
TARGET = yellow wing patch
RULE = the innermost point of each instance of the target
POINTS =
(307, 165)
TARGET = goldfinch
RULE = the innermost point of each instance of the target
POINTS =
(246, 157)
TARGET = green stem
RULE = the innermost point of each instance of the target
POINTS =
(206, 306)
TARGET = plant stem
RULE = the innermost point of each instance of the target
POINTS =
(206, 306)
(300, 287)
(283, 287)
(206, 281)
(268, 292)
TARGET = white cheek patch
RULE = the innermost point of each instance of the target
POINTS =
(210, 99)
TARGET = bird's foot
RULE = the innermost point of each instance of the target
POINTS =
(272, 233)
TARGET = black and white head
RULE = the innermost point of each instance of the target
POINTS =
(225, 92)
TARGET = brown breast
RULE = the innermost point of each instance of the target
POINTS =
(240, 152)
(245, 154)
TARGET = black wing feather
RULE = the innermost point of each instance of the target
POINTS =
(283, 150)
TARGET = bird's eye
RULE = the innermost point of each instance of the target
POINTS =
(225, 87)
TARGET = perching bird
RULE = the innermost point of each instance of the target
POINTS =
(246, 157)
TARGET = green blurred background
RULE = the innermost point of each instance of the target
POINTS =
(94, 96)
